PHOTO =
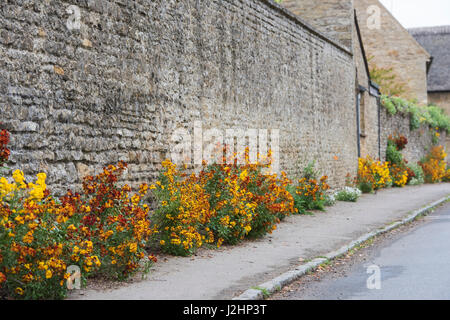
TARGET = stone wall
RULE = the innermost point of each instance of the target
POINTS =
(369, 126)
(118, 87)
(442, 99)
(332, 17)
(419, 140)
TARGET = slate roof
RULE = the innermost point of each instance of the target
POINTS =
(436, 40)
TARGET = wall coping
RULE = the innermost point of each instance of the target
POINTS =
(290, 15)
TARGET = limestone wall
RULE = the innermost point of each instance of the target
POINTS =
(135, 71)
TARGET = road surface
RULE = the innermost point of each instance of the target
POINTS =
(413, 264)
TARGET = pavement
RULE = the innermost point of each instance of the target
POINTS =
(412, 266)
(227, 272)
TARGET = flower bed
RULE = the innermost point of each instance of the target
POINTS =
(395, 171)
(105, 229)
(434, 165)
(102, 231)
(222, 204)
(372, 175)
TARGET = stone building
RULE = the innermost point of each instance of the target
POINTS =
(337, 19)
(436, 40)
(375, 38)
(389, 44)
(332, 17)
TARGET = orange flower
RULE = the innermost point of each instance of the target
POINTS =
(2, 278)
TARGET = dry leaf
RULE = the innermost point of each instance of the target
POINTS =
(59, 70)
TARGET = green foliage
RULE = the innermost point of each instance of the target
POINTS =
(365, 187)
(310, 191)
(348, 194)
(299, 202)
(393, 155)
(431, 115)
(419, 175)
(386, 79)
(414, 117)
(389, 105)
(310, 171)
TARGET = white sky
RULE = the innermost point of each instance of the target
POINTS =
(420, 13)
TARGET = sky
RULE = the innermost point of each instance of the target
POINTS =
(420, 13)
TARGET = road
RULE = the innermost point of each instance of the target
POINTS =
(413, 264)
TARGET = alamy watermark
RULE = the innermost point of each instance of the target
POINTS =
(74, 280)
(374, 17)
(207, 145)
(374, 280)
(74, 20)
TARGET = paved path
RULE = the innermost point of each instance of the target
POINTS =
(225, 273)
(414, 267)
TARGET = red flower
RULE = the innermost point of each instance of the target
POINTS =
(4, 151)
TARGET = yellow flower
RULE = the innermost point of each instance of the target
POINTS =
(48, 274)
(18, 176)
(19, 291)
(41, 177)
(133, 247)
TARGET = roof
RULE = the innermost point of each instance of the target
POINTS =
(436, 40)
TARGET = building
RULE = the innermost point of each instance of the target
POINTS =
(437, 42)
(376, 39)
(338, 20)
(389, 45)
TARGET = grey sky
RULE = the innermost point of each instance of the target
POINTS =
(420, 13)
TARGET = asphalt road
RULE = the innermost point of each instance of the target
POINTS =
(413, 265)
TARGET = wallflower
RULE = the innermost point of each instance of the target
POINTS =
(19, 291)
(2, 278)
(89, 231)
(133, 247)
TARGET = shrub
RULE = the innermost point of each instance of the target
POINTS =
(116, 221)
(386, 78)
(400, 141)
(348, 194)
(434, 165)
(398, 170)
(299, 203)
(447, 175)
(399, 175)
(435, 136)
(372, 175)
(393, 156)
(432, 115)
(330, 200)
(222, 204)
(311, 193)
(417, 176)
(103, 231)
